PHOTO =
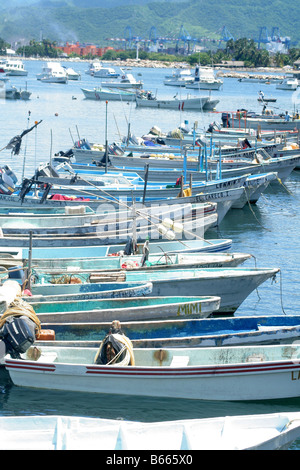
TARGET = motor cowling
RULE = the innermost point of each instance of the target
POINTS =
(18, 334)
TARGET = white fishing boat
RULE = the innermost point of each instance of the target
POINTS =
(205, 79)
(13, 67)
(180, 77)
(226, 373)
(127, 80)
(72, 74)
(275, 431)
(94, 67)
(53, 72)
(288, 84)
(10, 92)
(248, 120)
(148, 100)
(97, 70)
(103, 94)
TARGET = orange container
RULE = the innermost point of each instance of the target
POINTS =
(45, 335)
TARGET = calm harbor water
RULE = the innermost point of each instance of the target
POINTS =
(269, 231)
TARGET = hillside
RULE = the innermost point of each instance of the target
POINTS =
(96, 20)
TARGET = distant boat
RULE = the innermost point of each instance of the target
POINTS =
(205, 79)
(10, 92)
(98, 71)
(107, 94)
(180, 77)
(72, 75)
(53, 72)
(288, 84)
(182, 104)
(127, 80)
(14, 67)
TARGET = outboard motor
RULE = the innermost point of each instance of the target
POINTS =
(18, 334)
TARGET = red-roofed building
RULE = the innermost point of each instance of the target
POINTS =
(83, 50)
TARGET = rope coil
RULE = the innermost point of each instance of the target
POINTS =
(20, 308)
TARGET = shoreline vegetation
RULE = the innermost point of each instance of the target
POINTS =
(239, 57)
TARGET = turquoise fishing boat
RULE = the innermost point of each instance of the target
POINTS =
(233, 285)
(77, 266)
(155, 247)
(72, 292)
(137, 308)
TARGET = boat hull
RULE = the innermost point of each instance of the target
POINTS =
(232, 285)
(137, 309)
(252, 432)
(188, 333)
(180, 104)
(255, 378)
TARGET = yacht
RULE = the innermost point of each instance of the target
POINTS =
(14, 67)
(288, 84)
(53, 72)
(97, 70)
(205, 79)
(106, 72)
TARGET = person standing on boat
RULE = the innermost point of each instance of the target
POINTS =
(261, 95)
(287, 116)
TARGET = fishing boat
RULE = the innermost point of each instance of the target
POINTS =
(104, 72)
(205, 79)
(187, 333)
(126, 188)
(128, 262)
(75, 292)
(239, 373)
(95, 235)
(72, 74)
(77, 221)
(125, 309)
(100, 94)
(253, 432)
(248, 120)
(159, 248)
(148, 100)
(273, 431)
(180, 77)
(254, 186)
(96, 67)
(127, 81)
(10, 92)
(233, 285)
